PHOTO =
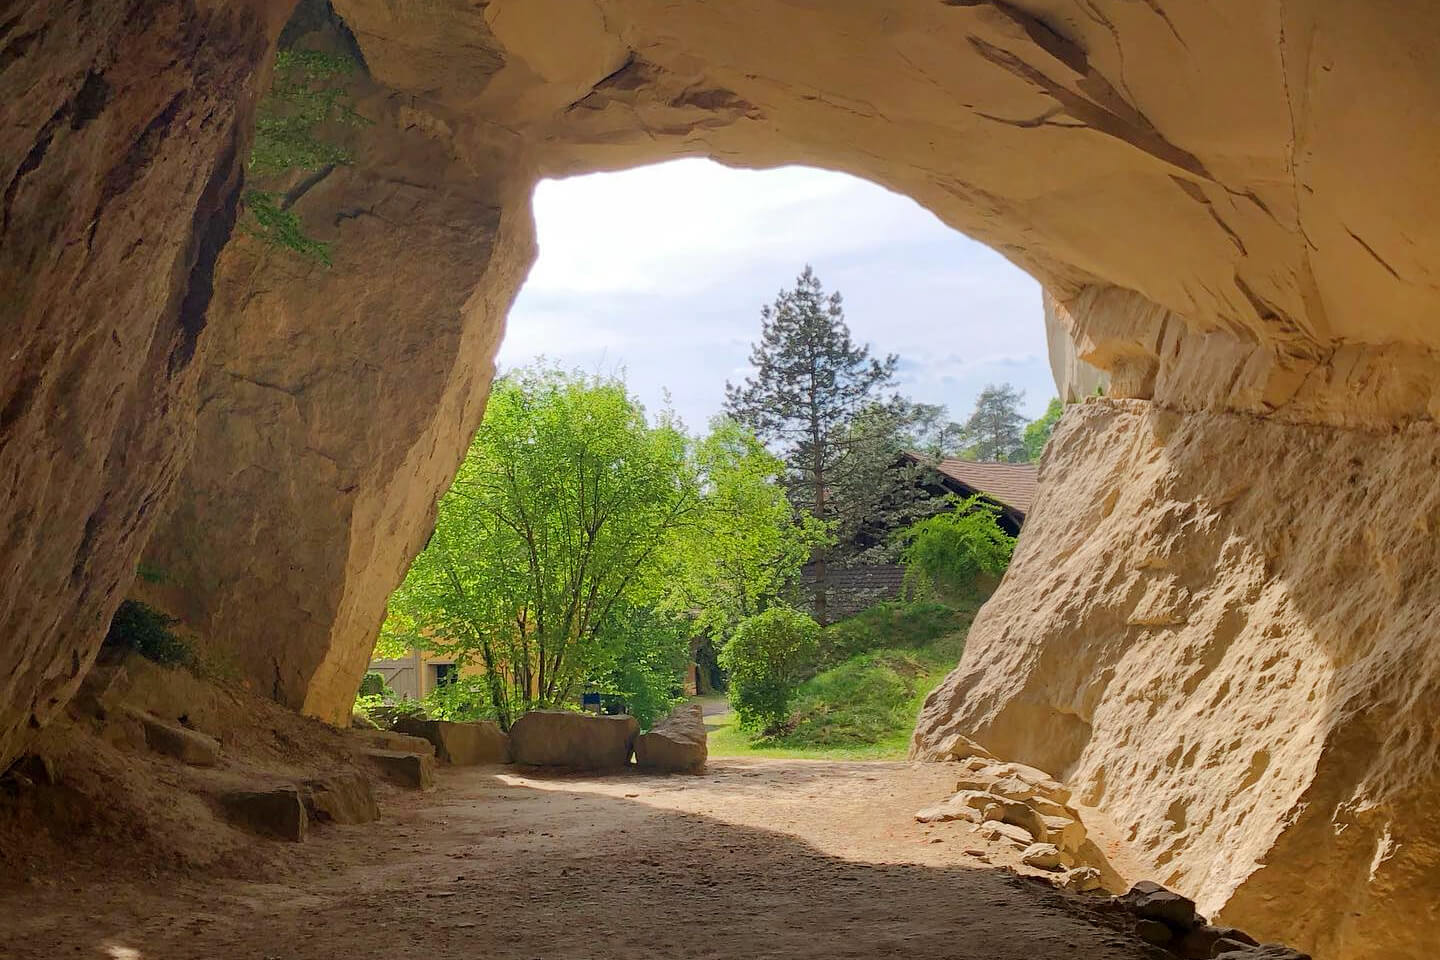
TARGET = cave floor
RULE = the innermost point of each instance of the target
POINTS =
(755, 858)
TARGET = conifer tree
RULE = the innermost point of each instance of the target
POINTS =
(810, 386)
(995, 431)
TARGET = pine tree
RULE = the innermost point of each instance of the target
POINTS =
(811, 384)
(995, 431)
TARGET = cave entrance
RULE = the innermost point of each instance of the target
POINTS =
(653, 278)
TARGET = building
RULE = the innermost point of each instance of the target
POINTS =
(1010, 486)
(420, 672)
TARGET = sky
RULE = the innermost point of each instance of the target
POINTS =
(659, 274)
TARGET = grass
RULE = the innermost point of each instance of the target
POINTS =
(864, 706)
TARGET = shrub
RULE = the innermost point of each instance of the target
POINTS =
(767, 658)
(373, 685)
(863, 701)
(140, 627)
(947, 552)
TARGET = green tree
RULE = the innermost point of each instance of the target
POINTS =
(944, 553)
(811, 383)
(748, 547)
(561, 516)
(881, 489)
(1037, 433)
(994, 430)
(769, 656)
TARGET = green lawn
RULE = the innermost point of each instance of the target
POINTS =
(876, 670)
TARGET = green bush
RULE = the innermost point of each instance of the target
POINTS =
(865, 700)
(767, 658)
(140, 627)
(373, 684)
(946, 553)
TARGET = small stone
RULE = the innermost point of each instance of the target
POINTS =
(998, 830)
(1081, 880)
(1042, 856)
(1153, 931)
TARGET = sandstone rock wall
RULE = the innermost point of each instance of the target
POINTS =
(1234, 203)
(1180, 175)
(335, 402)
(1222, 629)
(122, 130)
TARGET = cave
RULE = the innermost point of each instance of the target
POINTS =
(1225, 635)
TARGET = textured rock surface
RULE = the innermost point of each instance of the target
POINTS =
(1232, 204)
(122, 131)
(575, 741)
(1223, 630)
(1262, 275)
(677, 743)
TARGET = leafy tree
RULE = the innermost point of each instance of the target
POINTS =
(993, 431)
(811, 383)
(1037, 433)
(559, 518)
(747, 548)
(946, 552)
(582, 546)
(767, 658)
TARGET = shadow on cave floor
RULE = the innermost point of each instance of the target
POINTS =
(755, 858)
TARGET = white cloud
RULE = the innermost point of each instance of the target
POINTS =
(662, 271)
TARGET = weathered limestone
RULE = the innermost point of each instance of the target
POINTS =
(1221, 629)
(413, 770)
(573, 741)
(677, 744)
(188, 746)
(340, 798)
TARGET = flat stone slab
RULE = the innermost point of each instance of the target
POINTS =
(188, 746)
(395, 740)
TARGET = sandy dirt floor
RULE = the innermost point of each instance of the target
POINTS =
(755, 858)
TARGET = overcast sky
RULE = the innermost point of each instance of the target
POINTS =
(660, 272)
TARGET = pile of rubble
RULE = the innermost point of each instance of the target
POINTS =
(1024, 806)
(1167, 919)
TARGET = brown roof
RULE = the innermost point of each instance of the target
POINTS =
(1011, 484)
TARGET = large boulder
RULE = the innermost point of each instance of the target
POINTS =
(461, 744)
(575, 741)
(676, 744)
